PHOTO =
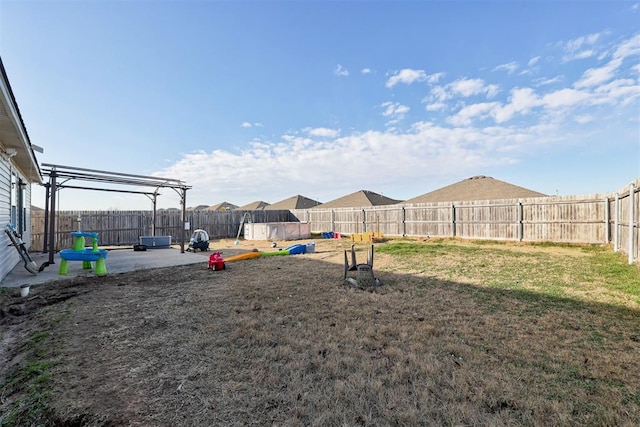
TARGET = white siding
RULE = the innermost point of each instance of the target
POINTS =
(9, 257)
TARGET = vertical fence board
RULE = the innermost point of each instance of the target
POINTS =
(570, 219)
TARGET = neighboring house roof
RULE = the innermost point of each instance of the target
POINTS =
(198, 208)
(358, 199)
(476, 188)
(13, 133)
(224, 206)
(295, 202)
(255, 206)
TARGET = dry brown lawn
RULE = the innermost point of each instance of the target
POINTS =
(281, 341)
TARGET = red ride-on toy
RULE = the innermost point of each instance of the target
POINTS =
(216, 262)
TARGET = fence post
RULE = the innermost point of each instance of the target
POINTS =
(607, 221)
(404, 222)
(364, 221)
(520, 224)
(453, 220)
(632, 194)
(616, 225)
(333, 220)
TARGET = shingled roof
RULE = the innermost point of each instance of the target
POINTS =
(198, 208)
(476, 188)
(359, 198)
(254, 206)
(295, 202)
(224, 206)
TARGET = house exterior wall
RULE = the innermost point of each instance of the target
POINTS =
(9, 257)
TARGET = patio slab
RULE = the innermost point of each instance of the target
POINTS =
(118, 261)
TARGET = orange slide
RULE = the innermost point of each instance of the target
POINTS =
(239, 257)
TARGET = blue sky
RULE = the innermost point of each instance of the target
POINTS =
(251, 100)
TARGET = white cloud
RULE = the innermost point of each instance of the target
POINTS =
(434, 78)
(323, 132)
(438, 93)
(315, 168)
(564, 98)
(394, 111)
(521, 101)
(625, 50)
(487, 125)
(463, 87)
(596, 76)
(491, 90)
(583, 119)
(628, 48)
(366, 71)
(509, 67)
(623, 91)
(406, 76)
(341, 71)
(436, 106)
(473, 111)
(584, 54)
(548, 81)
(394, 108)
(578, 48)
(250, 125)
(470, 87)
(467, 87)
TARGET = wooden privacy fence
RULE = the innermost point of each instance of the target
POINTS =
(611, 218)
(601, 218)
(125, 227)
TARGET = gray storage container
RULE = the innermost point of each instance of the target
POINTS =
(156, 242)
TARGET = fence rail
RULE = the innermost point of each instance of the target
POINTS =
(125, 227)
(611, 218)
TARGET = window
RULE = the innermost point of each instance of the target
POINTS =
(18, 209)
(14, 199)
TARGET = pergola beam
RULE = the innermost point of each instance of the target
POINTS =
(68, 173)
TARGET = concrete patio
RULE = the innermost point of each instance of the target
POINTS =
(119, 260)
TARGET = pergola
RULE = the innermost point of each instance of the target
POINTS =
(60, 175)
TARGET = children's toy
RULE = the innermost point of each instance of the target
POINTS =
(86, 255)
(216, 262)
(364, 272)
(199, 240)
(297, 249)
(16, 240)
(275, 253)
(243, 256)
(246, 218)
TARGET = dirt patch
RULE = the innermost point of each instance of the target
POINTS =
(281, 341)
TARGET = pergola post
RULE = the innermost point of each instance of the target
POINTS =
(45, 235)
(184, 218)
(154, 200)
(68, 173)
(52, 210)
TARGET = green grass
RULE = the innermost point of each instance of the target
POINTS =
(30, 384)
(460, 333)
(556, 270)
